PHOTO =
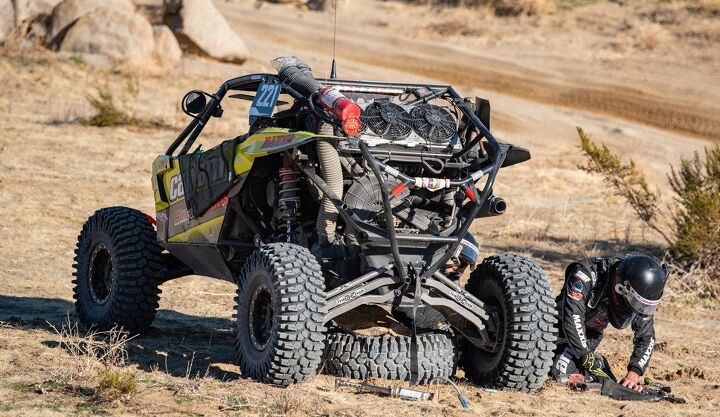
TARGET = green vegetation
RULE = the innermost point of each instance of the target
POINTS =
(77, 59)
(21, 387)
(115, 384)
(693, 237)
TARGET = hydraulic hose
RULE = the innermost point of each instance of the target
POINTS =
(332, 174)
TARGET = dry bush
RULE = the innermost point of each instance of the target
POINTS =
(694, 238)
(625, 179)
(115, 384)
(110, 113)
(94, 350)
(706, 7)
(100, 359)
(648, 36)
(499, 7)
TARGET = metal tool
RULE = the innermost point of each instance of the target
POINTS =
(393, 392)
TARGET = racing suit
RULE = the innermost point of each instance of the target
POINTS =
(583, 307)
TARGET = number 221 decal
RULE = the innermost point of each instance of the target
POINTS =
(264, 102)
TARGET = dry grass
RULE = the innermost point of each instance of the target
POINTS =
(186, 365)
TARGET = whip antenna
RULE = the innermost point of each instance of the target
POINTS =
(333, 70)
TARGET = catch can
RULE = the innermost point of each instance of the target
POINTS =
(343, 108)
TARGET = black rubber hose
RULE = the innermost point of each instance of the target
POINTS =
(299, 78)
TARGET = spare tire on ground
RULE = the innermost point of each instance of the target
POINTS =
(388, 357)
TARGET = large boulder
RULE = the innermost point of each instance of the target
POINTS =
(27, 9)
(167, 48)
(69, 11)
(202, 30)
(113, 32)
(7, 19)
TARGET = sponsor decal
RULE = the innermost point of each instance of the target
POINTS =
(575, 295)
(646, 357)
(275, 141)
(179, 216)
(176, 188)
(349, 297)
(582, 277)
(601, 319)
(563, 362)
(462, 300)
(580, 329)
(576, 290)
(222, 202)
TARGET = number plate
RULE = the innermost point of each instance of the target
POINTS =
(264, 102)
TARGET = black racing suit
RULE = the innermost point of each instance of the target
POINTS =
(583, 307)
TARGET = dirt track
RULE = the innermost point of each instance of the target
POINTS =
(55, 172)
(619, 93)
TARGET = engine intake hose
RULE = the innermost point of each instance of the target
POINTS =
(297, 75)
(332, 174)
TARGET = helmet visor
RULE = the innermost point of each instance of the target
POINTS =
(638, 303)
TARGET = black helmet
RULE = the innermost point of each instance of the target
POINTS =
(637, 286)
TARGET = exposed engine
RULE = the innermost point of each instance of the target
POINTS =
(408, 131)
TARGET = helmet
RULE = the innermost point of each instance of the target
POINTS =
(637, 286)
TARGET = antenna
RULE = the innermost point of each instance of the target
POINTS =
(333, 69)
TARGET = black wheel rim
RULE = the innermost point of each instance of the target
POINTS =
(497, 316)
(101, 274)
(261, 318)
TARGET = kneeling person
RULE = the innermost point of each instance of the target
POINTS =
(602, 291)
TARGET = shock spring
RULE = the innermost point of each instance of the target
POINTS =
(289, 199)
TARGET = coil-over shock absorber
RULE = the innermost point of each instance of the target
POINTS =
(289, 200)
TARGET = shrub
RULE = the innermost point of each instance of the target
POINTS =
(694, 238)
(109, 114)
(116, 383)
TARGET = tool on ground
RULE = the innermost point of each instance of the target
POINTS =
(394, 392)
(463, 401)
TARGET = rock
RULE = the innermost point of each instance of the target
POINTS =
(201, 29)
(111, 31)
(26, 9)
(167, 48)
(7, 19)
(69, 11)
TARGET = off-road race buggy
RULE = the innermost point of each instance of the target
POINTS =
(354, 194)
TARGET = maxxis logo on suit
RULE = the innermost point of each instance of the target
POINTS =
(580, 329)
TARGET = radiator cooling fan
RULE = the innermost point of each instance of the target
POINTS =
(387, 120)
(433, 123)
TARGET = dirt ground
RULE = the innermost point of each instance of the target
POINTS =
(650, 90)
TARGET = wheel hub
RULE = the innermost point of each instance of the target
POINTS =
(261, 318)
(101, 274)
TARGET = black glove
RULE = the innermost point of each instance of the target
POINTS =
(594, 364)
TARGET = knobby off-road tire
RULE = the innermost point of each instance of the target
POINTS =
(117, 260)
(521, 294)
(388, 357)
(280, 334)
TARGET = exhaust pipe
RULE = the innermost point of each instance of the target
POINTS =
(494, 206)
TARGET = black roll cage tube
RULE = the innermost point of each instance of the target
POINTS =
(251, 82)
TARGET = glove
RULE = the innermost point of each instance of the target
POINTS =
(594, 363)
